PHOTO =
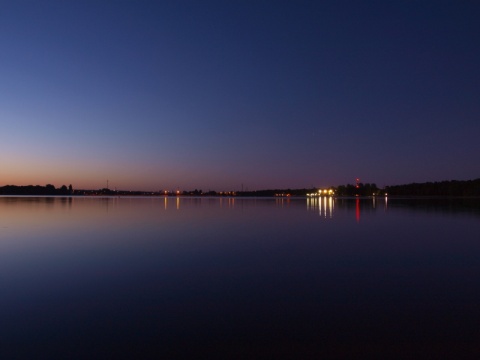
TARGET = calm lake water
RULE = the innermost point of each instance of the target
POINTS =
(238, 278)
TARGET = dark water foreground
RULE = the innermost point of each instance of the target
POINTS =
(108, 278)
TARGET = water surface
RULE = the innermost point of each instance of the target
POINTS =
(238, 278)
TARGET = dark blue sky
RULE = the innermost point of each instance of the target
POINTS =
(269, 94)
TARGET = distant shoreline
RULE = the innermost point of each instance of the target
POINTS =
(296, 197)
(452, 188)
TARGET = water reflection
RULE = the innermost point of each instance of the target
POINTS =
(357, 209)
(325, 205)
(228, 202)
(173, 275)
(282, 201)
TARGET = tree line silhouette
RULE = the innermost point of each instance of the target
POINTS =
(360, 190)
(442, 188)
(48, 189)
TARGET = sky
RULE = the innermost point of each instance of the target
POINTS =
(220, 95)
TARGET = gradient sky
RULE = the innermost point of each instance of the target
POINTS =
(215, 94)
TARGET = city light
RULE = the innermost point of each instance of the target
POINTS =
(322, 192)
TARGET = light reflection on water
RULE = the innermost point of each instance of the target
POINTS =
(325, 205)
(247, 277)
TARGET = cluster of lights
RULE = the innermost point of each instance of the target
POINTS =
(321, 192)
(233, 193)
